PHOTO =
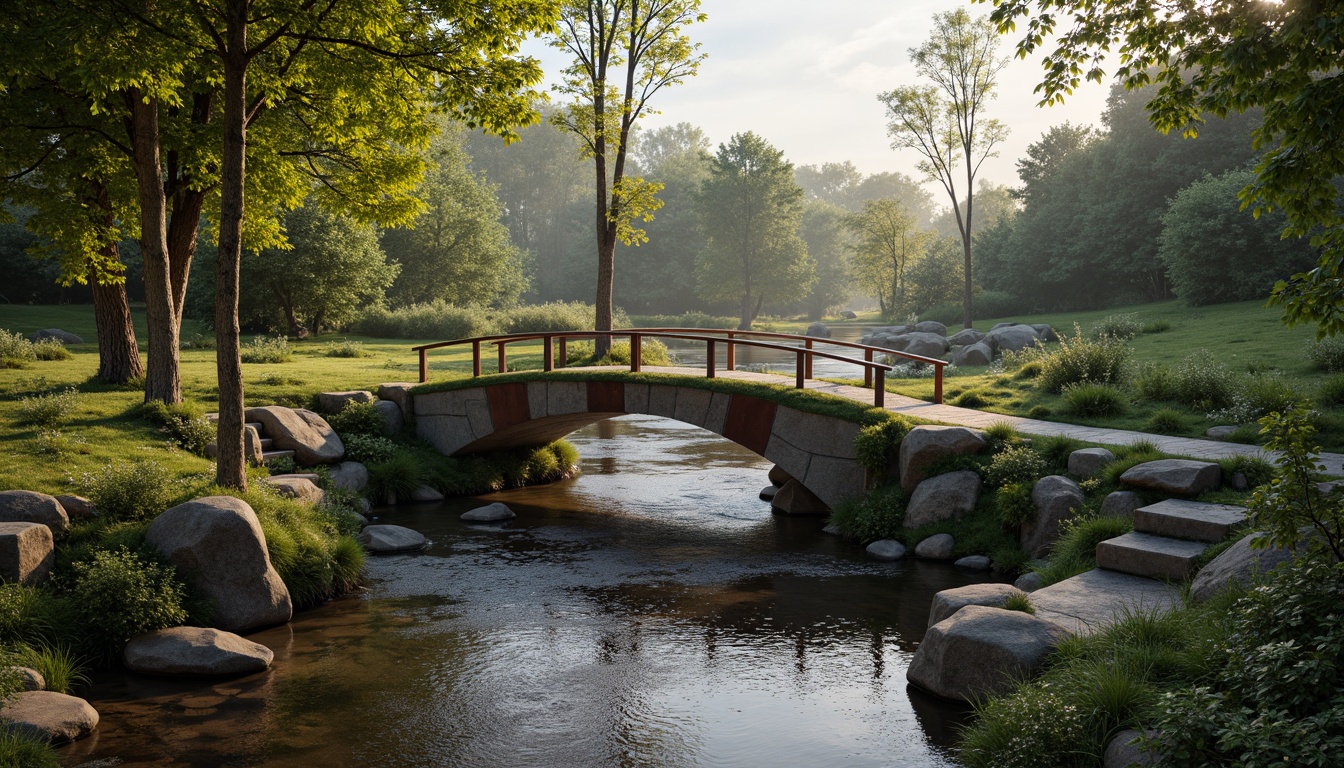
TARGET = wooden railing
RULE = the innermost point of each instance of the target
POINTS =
(874, 372)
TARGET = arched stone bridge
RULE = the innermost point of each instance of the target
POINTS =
(814, 449)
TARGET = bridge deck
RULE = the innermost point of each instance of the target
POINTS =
(969, 417)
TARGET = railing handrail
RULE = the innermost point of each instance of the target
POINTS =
(874, 372)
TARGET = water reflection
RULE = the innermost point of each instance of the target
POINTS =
(650, 612)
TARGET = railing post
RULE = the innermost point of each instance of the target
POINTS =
(476, 358)
(547, 354)
(798, 368)
(636, 352)
(880, 389)
(424, 366)
(503, 360)
(564, 353)
(867, 370)
(709, 358)
(732, 354)
(938, 384)
(808, 358)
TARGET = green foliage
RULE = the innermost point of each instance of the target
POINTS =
(1000, 435)
(1258, 395)
(49, 410)
(119, 595)
(972, 398)
(876, 446)
(285, 465)
(57, 665)
(889, 243)
(50, 349)
(1327, 354)
(1274, 697)
(1121, 327)
(264, 349)
(1167, 421)
(690, 319)
(1091, 400)
(1157, 326)
(1331, 391)
(499, 470)
(1292, 501)
(344, 348)
(136, 490)
(1078, 360)
(878, 515)
(357, 419)
(1019, 601)
(1256, 470)
(368, 449)
(184, 422)
(550, 317)
(432, 320)
(1055, 449)
(20, 751)
(15, 348)
(398, 475)
(651, 352)
(306, 546)
(1015, 465)
(29, 615)
(1039, 412)
(1076, 550)
(1014, 505)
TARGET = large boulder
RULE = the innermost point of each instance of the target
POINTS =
(77, 507)
(1182, 477)
(980, 651)
(896, 343)
(974, 563)
(948, 496)
(391, 539)
(426, 493)
(926, 445)
(978, 353)
(1121, 504)
(936, 547)
(925, 344)
(296, 487)
(334, 402)
(65, 337)
(349, 476)
(949, 601)
(393, 419)
(1121, 752)
(490, 513)
(886, 549)
(1013, 338)
(1045, 332)
(965, 337)
(1086, 462)
(30, 507)
(308, 435)
(793, 498)
(931, 326)
(848, 314)
(818, 330)
(30, 679)
(1238, 564)
(195, 651)
(217, 546)
(399, 392)
(1055, 498)
(49, 716)
(1029, 582)
(27, 553)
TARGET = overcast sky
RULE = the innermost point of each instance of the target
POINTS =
(806, 75)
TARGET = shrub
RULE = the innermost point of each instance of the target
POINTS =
(1167, 421)
(1260, 394)
(1013, 503)
(368, 449)
(266, 349)
(397, 476)
(1017, 464)
(1055, 449)
(306, 547)
(49, 410)
(119, 595)
(876, 446)
(877, 516)
(285, 465)
(1157, 326)
(1256, 470)
(684, 320)
(344, 348)
(651, 352)
(184, 422)
(1327, 354)
(1039, 412)
(137, 490)
(1154, 382)
(1203, 382)
(1093, 400)
(552, 316)
(1292, 500)
(51, 442)
(13, 346)
(1079, 360)
(1019, 601)
(1120, 327)
(434, 320)
(50, 349)
(1000, 435)
(198, 341)
(1331, 391)
(1028, 370)
(358, 419)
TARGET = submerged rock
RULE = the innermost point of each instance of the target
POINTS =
(195, 651)
(886, 549)
(389, 539)
(490, 513)
(980, 651)
(49, 716)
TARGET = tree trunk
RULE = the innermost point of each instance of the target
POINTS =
(118, 353)
(163, 378)
(231, 470)
(967, 316)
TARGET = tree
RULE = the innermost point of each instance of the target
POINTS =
(1045, 155)
(944, 122)
(1223, 57)
(332, 268)
(826, 235)
(992, 202)
(751, 209)
(456, 250)
(624, 52)
(1214, 253)
(887, 242)
(844, 185)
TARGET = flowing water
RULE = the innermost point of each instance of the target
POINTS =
(651, 612)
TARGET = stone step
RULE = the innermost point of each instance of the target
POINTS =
(1092, 601)
(1190, 520)
(257, 425)
(266, 444)
(268, 456)
(1143, 554)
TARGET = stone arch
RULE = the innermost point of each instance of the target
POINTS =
(816, 450)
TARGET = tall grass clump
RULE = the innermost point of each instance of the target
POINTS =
(651, 352)
(684, 320)
(1077, 360)
(1076, 550)
(397, 477)
(313, 558)
(344, 348)
(1327, 354)
(266, 349)
(1055, 449)
(1122, 327)
(20, 751)
(136, 490)
(58, 666)
(1167, 421)
(49, 410)
(1331, 391)
(184, 423)
(1203, 382)
(433, 320)
(1091, 399)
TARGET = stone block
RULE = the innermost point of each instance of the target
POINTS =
(27, 553)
